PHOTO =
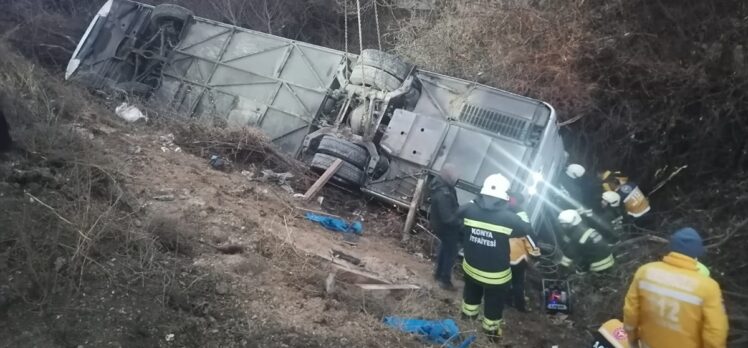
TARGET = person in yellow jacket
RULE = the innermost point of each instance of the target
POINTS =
(520, 249)
(671, 304)
(634, 200)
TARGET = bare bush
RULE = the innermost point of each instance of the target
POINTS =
(63, 202)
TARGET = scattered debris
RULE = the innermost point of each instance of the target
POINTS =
(219, 163)
(228, 249)
(433, 331)
(346, 257)
(336, 224)
(129, 113)
(561, 319)
(330, 283)
(279, 178)
(248, 174)
(82, 131)
(164, 198)
(167, 143)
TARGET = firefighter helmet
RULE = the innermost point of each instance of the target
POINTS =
(496, 185)
(575, 171)
(569, 218)
(612, 198)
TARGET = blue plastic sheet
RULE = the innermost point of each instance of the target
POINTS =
(443, 332)
(336, 224)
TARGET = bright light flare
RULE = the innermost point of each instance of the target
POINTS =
(532, 190)
(537, 176)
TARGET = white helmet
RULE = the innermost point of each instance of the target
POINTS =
(612, 198)
(569, 217)
(575, 171)
(496, 185)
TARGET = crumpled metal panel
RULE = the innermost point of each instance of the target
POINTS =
(413, 137)
(272, 83)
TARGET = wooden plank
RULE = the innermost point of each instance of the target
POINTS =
(411, 219)
(323, 179)
(353, 276)
(388, 286)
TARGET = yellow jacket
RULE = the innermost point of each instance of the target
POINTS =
(612, 330)
(670, 304)
(519, 248)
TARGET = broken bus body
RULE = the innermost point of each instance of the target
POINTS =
(391, 122)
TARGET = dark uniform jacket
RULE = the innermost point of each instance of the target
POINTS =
(582, 192)
(587, 248)
(489, 223)
(444, 206)
(608, 222)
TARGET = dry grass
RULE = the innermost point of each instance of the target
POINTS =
(63, 202)
(526, 49)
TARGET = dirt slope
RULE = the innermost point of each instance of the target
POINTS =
(236, 265)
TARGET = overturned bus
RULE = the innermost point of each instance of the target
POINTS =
(390, 122)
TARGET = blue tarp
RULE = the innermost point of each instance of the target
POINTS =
(441, 332)
(336, 224)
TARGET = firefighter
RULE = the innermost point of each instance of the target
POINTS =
(520, 250)
(583, 245)
(489, 223)
(582, 192)
(635, 202)
(608, 220)
(671, 304)
(444, 221)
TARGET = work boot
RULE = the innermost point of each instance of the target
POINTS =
(446, 285)
(494, 336)
(492, 329)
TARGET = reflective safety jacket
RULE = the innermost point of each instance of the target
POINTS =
(703, 269)
(489, 223)
(671, 304)
(634, 200)
(614, 334)
(587, 248)
(521, 248)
